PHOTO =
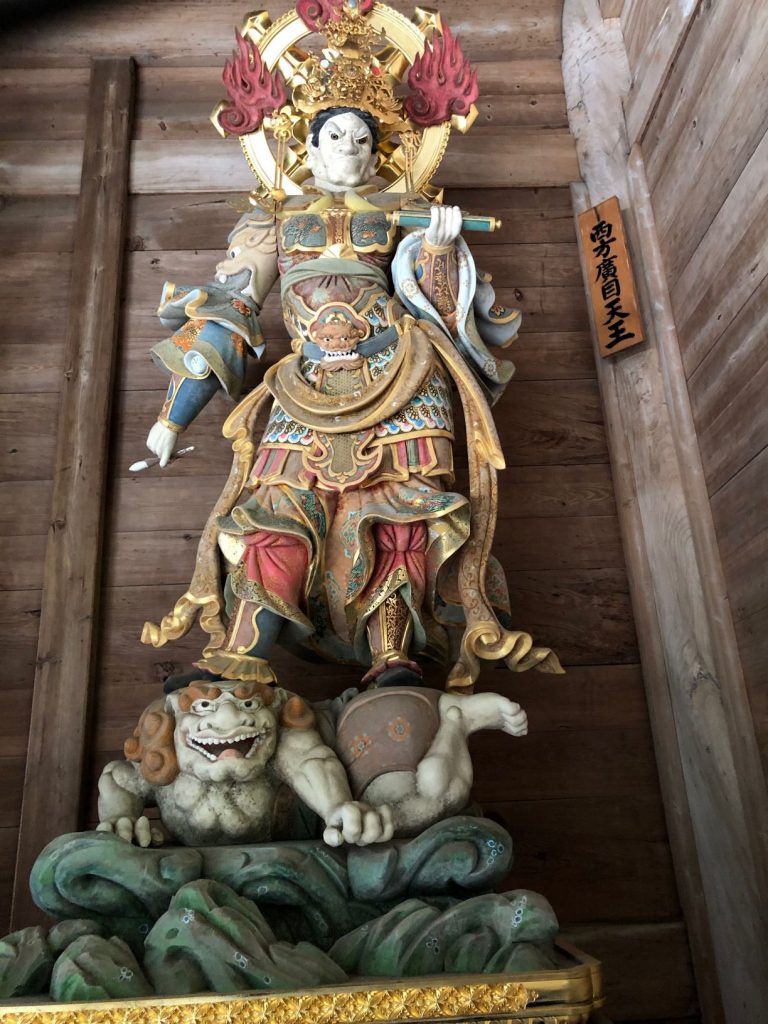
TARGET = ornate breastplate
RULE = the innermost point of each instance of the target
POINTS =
(336, 232)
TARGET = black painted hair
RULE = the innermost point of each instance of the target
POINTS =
(319, 120)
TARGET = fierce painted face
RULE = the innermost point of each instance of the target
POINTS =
(224, 730)
(343, 156)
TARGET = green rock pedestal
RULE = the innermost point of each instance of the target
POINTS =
(305, 890)
(290, 915)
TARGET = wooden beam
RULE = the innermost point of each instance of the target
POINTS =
(715, 728)
(52, 788)
(622, 382)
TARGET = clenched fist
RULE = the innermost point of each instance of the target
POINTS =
(445, 226)
(358, 824)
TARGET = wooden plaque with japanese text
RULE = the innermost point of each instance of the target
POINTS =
(611, 282)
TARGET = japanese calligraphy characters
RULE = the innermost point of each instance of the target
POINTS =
(611, 284)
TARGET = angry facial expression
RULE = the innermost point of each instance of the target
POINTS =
(224, 731)
(343, 156)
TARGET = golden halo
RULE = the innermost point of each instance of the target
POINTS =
(278, 45)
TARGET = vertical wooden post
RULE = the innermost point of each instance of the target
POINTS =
(69, 612)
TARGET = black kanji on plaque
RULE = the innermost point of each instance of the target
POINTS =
(606, 268)
(611, 288)
(601, 232)
(615, 323)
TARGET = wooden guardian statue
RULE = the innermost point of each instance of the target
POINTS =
(338, 532)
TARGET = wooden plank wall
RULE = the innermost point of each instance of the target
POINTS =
(580, 794)
(705, 149)
(35, 266)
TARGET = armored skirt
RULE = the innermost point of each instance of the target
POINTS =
(337, 533)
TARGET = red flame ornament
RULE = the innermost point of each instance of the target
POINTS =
(442, 81)
(254, 91)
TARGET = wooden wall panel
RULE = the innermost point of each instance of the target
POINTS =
(710, 118)
(739, 510)
(489, 158)
(654, 960)
(522, 129)
(653, 32)
(706, 153)
(175, 103)
(725, 272)
(196, 33)
(728, 388)
(178, 221)
(43, 102)
(36, 258)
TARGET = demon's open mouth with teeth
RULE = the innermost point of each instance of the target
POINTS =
(243, 743)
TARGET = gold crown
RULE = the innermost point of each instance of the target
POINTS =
(340, 80)
(348, 73)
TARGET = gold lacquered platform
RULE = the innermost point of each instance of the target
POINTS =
(568, 994)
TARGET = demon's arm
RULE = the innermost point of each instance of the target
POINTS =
(317, 776)
(123, 795)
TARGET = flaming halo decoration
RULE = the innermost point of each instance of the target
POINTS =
(411, 75)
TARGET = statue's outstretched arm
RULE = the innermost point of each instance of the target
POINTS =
(216, 329)
(317, 776)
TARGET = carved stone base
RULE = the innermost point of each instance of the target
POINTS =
(291, 916)
(305, 890)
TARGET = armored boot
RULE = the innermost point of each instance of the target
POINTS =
(244, 654)
(390, 630)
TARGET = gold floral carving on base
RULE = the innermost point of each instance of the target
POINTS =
(569, 994)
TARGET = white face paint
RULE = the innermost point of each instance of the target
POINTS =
(342, 157)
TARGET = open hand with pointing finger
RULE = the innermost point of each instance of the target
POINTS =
(162, 443)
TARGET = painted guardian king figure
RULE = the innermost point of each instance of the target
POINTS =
(338, 532)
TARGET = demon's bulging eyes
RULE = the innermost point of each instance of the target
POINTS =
(203, 706)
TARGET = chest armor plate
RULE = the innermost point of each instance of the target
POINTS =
(335, 231)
